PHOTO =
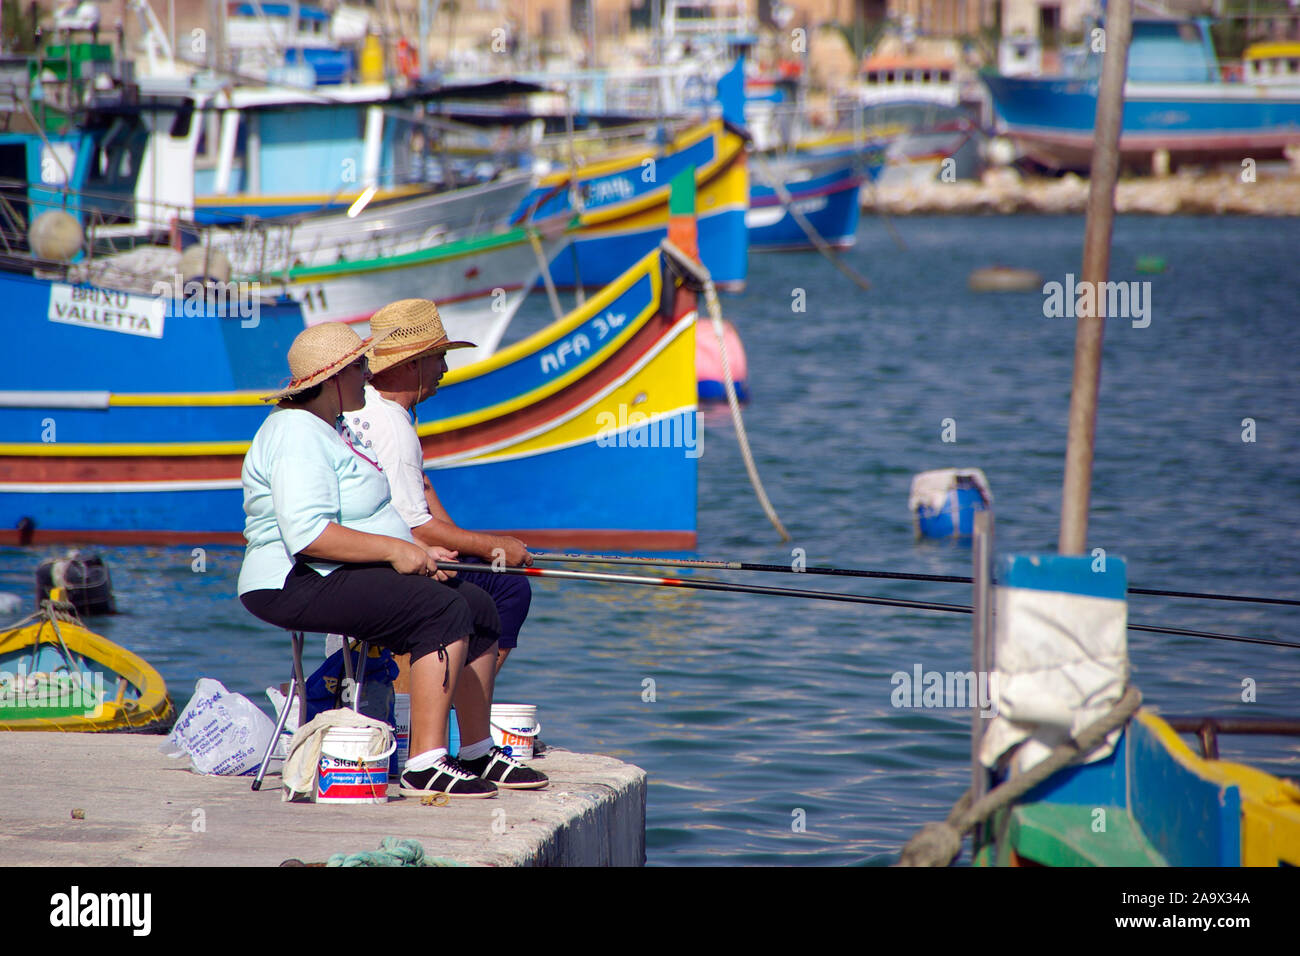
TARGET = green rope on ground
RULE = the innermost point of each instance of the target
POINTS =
(392, 852)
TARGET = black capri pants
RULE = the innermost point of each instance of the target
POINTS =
(406, 613)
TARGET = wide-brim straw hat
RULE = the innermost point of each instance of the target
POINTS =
(321, 352)
(412, 328)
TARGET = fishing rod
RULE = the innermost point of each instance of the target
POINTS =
(556, 558)
(706, 584)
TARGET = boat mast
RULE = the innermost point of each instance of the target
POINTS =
(1077, 489)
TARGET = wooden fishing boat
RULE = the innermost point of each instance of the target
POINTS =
(1068, 769)
(1177, 100)
(822, 180)
(1161, 805)
(136, 434)
(57, 675)
(623, 205)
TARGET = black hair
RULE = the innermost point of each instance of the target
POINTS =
(306, 395)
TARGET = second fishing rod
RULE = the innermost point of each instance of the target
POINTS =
(556, 558)
(698, 584)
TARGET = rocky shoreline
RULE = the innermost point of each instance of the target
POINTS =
(1004, 192)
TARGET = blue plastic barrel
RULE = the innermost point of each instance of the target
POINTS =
(957, 517)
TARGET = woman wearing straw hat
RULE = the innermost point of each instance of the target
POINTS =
(327, 553)
(405, 370)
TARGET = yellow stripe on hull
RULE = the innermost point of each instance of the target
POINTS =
(1270, 806)
(714, 193)
(656, 390)
(308, 199)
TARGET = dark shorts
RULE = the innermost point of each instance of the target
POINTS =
(406, 613)
(511, 593)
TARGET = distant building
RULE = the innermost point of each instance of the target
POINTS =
(1048, 20)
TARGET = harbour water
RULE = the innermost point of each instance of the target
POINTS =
(766, 724)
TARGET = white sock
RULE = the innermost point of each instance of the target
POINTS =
(474, 751)
(426, 760)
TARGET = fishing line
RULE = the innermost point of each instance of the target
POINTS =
(551, 557)
(697, 584)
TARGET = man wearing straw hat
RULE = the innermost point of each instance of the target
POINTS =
(406, 368)
(327, 553)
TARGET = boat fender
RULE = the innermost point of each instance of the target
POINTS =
(55, 236)
(202, 263)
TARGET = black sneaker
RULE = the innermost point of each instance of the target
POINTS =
(447, 776)
(497, 766)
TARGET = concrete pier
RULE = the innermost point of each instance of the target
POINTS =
(114, 800)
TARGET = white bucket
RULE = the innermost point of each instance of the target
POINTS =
(346, 774)
(514, 728)
(402, 734)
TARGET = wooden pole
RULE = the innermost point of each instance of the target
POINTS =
(1096, 264)
(981, 652)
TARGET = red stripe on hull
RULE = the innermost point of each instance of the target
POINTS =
(554, 406)
(97, 468)
(587, 538)
(1069, 149)
(760, 202)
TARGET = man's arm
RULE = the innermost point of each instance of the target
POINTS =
(442, 532)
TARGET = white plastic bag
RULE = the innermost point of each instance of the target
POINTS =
(223, 733)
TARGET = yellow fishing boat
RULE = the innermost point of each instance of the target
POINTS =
(55, 674)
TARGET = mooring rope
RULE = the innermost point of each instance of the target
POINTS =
(938, 844)
(391, 852)
(809, 230)
(701, 274)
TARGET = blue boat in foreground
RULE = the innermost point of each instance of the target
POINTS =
(136, 429)
(1067, 767)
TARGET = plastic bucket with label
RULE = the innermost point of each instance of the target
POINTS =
(401, 734)
(514, 728)
(347, 773)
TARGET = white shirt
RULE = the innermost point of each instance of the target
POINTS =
(299, 475)
(384, 431)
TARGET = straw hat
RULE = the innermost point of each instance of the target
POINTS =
(416, 329)
(320, 352)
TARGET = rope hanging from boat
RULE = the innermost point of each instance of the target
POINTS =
(701, 274)
(552, 296)
(938, 844)
(809, 230)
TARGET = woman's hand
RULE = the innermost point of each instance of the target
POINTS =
(441, 554)
(409, 558)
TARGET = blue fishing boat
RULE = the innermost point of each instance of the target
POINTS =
(822, 181)
(1179, 99)
(1141, 797)
(135, 429)
(329, 197)
(622, 204)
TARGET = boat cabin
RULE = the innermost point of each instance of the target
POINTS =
(891, 78)
(1272, 63)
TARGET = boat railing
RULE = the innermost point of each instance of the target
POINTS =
(592, 145)
(111, 225)
(117, 230)
(1207, 729)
